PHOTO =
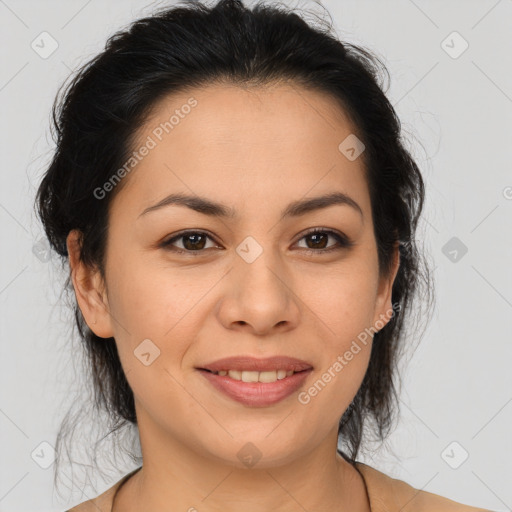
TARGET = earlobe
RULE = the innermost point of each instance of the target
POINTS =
(384, 309)
(89, 289)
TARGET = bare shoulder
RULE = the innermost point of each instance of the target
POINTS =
(389, 494)
(103, 502)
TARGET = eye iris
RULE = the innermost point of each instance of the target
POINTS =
(193, 245)
(316, 236)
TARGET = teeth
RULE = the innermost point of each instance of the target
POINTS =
(248, 376)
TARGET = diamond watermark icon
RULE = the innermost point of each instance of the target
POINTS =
(44, 45)
(146, 352)
(249, 249)
(454, 455)
(249, 455)
(41, 250)
(43, 455)
(351, 147)
(454, 45)
(454, 249)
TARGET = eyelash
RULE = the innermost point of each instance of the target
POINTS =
(343, 241)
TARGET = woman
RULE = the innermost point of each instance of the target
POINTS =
(238, 210)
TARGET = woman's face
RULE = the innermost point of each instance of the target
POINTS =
(255, 283)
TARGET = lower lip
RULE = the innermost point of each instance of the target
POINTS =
(257, 394)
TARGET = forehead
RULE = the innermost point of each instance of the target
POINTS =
(274, 115)
(235, 144)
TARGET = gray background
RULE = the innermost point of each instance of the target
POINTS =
(456, 111)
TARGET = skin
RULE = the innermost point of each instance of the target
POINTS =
(255, 151)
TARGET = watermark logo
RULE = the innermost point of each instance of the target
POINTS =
(43, 455)
(454, 45)
(41, 250)
(44, 45)
(351, 147)
(454, 455)
(249, 455)
(454, 249)
(249, 249)
(146, 352)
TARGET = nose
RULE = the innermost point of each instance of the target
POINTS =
(259, 297)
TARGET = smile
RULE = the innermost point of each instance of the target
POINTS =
(256, 389)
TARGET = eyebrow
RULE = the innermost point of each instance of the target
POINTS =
(294, 209)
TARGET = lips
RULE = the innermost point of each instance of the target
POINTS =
(257, 394)
(253, 364)
(237, 378)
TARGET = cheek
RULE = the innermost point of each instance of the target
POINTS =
(159, 312)
(343, 307)
(345, 353)
(342, 299)
(156, 324)
(150, 299)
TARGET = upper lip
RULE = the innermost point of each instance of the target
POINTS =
(249, 363)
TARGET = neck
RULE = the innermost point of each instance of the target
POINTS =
(190, 480)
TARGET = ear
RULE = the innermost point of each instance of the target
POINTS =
(89, 289)
(383, 306)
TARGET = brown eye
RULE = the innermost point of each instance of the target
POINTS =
(191, 242)
(317, 241)
(194, 241)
